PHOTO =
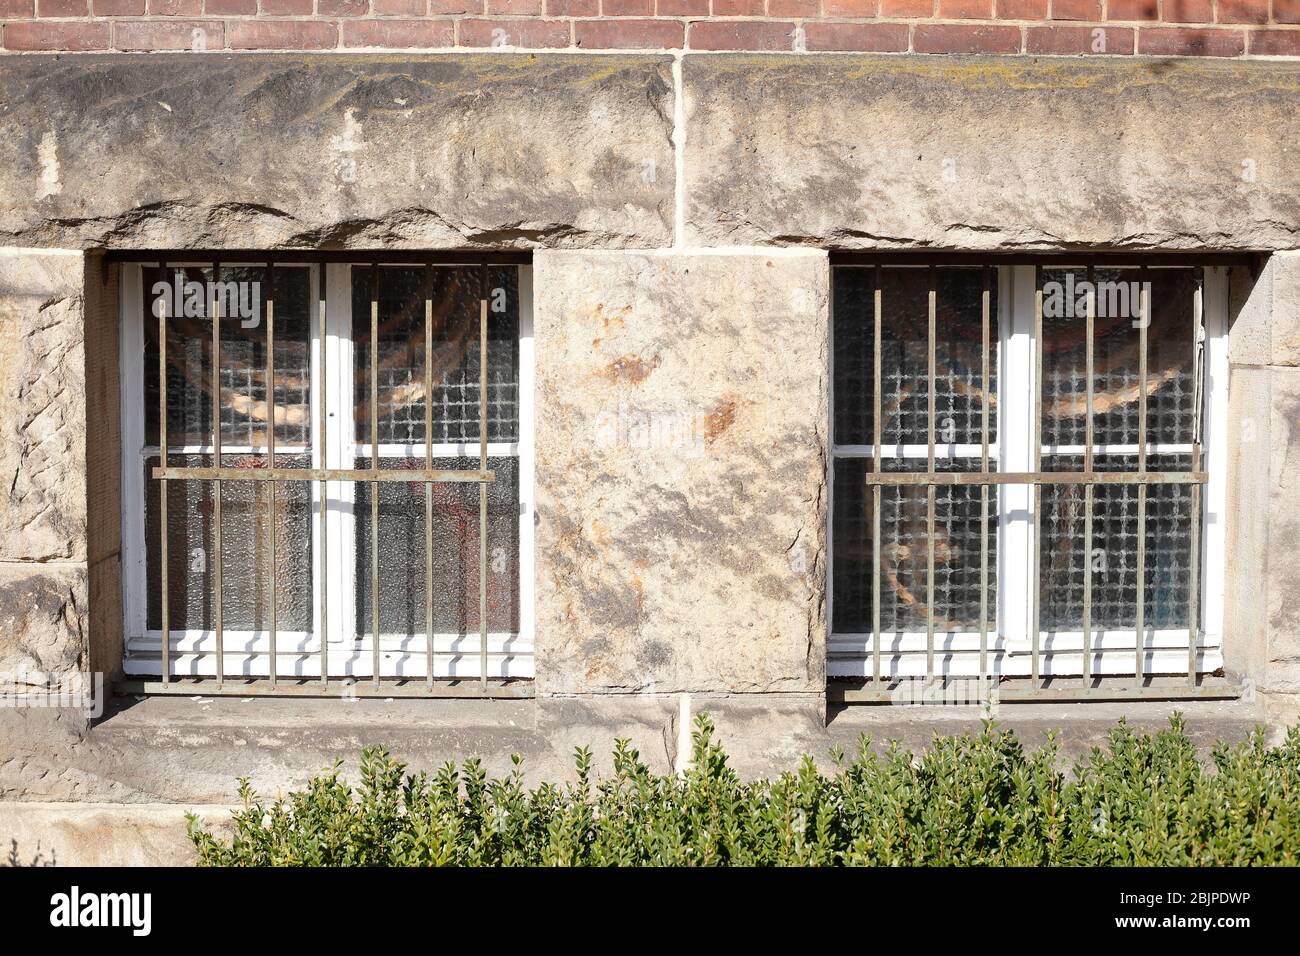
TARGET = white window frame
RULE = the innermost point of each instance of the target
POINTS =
(903, 653)
(298, 652)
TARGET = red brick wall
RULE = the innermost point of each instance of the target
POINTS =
(1153, 27)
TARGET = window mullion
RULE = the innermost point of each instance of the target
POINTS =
(1015, 443)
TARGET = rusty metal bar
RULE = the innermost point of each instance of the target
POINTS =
(322, 445)
(1144, 320)
(892, 478)
(984, 469)
(428, 467)
(1198, 398)
(452, 689)
(1090, 320)
(407, 475)
(877, 432)
(162, 488)
(273, 660)
(1036, 600)
(374, 465)
(216, 449)
(482, 464)
(929, 489)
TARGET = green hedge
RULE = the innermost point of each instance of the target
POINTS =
(968, 800)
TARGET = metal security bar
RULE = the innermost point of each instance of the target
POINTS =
(1041, 682)
(272, 475)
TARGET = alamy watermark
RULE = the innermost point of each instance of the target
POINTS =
(1114, 299)
(26, 688)
(234, 299)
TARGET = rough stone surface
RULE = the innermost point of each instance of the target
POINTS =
(42, 408)
(335, 151)
(1283, 674)
(43, 626)
(989, 153)
(1285, 325)
(104, 834)
(681, 461)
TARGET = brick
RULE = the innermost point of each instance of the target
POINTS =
(1242, 11)
(62, 8)
(852, 8)
(343, 8)
(742, 35)
(146, 35)
(1286, 11)
(1082, 40)
(1022, 9)
(1089, 10)
(1181, 41)
(630, 34)
(1132, 10)
(236, 8)
(12, 9)
(399, 8)
(1187, 11)
(447, 7)
(175, 8)
(529, 34)
(1275, 43)
(966, 9)
(399, 34)
(514, 8)
(57, 36)
(960, 38)
(738, 8)
(286, 8)
(683, 8)
(580, 8)
(283, 35)
(857, 37)
(907, 8)
(627, 8)
(806, 8)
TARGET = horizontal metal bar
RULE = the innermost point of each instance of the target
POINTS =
(260, 257)
(922, 478)
(326, 474)
(1047, 258)
(1009, 693)
(517, 688)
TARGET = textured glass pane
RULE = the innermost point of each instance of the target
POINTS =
(454, 293)
(402, 551)
(904, 551)
(247, 574)
(1113, 554)
(905, 360)
(244, 413)
(1116, 383)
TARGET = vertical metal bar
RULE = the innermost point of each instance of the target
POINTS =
(984, 467)
(162, 487)
(273, 658)
(1144, 320)
(428, 464)
(1089, 332)
(323, 444)
(877, 431)
(1194, 570)
(374, 464)
(216, 460)
(929, 488)
(1036, 602)
(482, 464)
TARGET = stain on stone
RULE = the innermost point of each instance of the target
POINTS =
(631, 369)
(721, 418)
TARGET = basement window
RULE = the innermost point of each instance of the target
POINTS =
(1027, 472)
(347, 571)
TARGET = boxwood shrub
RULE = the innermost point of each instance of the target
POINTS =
(968, 800)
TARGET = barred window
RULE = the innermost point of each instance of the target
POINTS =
(1043, 483)
(348, 572)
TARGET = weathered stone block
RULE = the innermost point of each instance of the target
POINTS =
(43, 630)
(336, 151)
(681, 456)
(990, 153)
(1285, 325)
(1284, 532)
(42, 407)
